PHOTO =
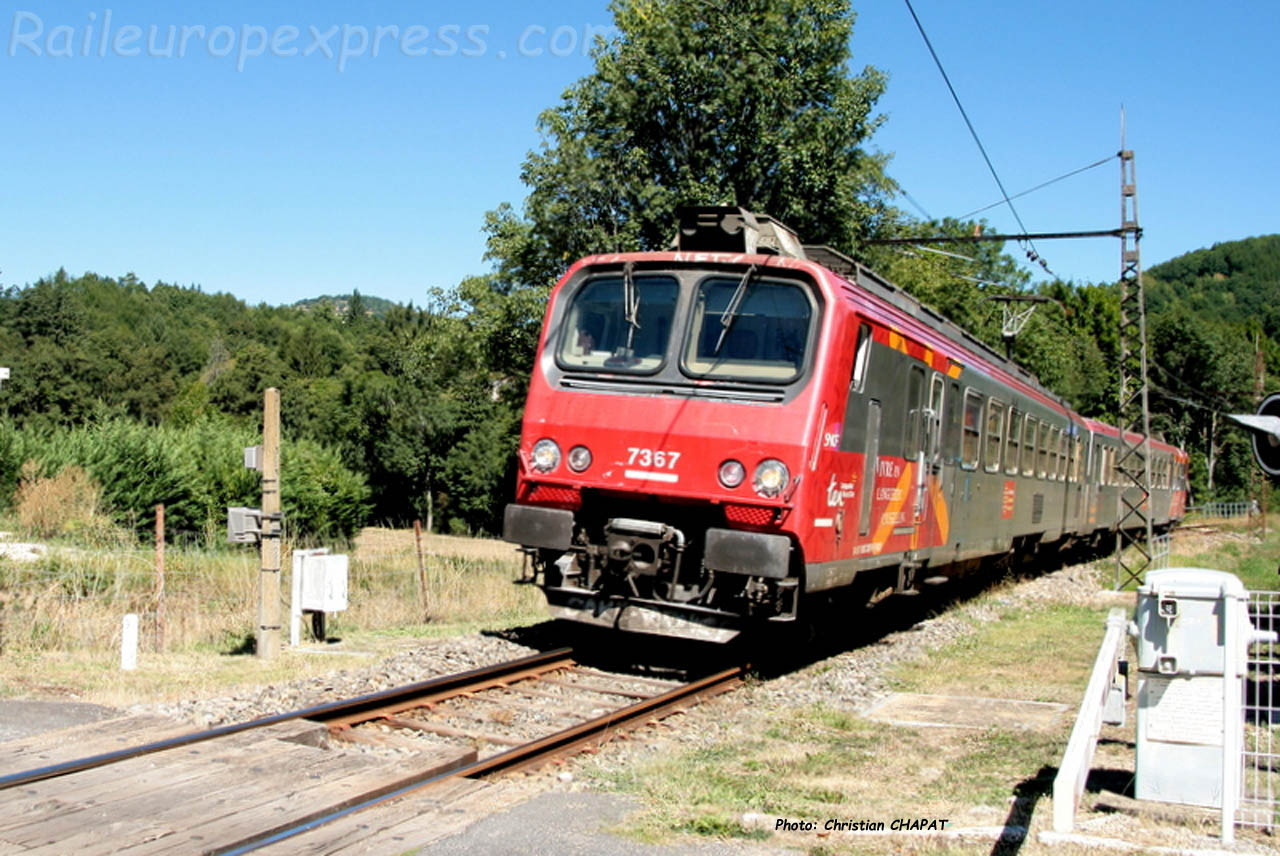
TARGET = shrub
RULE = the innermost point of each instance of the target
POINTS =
(66, 504)
(196, 471)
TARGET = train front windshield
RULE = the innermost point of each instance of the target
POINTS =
(738, 328)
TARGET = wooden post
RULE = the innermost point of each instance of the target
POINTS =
(422, 567)
(268, 637)
(160, 618)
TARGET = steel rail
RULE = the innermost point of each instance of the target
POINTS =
(321, 712)
(528, 754)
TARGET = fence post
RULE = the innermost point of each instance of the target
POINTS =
(160, 618)
(129, 642)
(422, 567)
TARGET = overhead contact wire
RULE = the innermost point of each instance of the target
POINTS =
(1040, 186)
(1032, 253)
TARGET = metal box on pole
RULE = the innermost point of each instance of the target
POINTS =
(1192, 635)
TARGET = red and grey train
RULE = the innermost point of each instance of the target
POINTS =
(716, 433)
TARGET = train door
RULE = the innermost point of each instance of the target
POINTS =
(871, 457)
(950, 454)
(915, 435)
(1075, 474)
(931, 458)
(1091, 473)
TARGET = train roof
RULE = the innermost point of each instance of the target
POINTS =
(725, 235)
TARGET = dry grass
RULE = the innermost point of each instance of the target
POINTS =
(68, 504)
(379, 543)
(60, 617)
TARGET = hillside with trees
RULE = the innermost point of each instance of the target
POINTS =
(395, 412)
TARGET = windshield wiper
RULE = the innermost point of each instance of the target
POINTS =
(630, 303)
(731, 311)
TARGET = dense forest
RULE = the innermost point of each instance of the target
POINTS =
(407, 413)
(395, 412)
(414, 411)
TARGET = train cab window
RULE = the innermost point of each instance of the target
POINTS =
(600, 333)
(972, 429)
(1014, 443)
(861, 357)
(1029, 446)
(748, 329)
(995, 434)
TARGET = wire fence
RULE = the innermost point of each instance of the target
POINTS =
(1223, 509)
(1260, 773)
(1161, 549)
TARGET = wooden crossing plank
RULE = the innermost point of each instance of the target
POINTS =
(381, 829)
(72, 829)
(272, 808)
(165, 812)
(29, 803)
(80, 741)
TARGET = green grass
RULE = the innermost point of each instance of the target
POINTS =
(1028, 654)
(1253, 560)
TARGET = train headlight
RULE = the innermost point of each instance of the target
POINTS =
(731, 473)
(546, 456)
(579, 458)
(770, 478)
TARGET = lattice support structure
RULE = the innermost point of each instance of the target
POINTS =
(1133, 537)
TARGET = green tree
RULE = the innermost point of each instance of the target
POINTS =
(741, 102)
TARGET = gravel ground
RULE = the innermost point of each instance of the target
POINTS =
(441, 657)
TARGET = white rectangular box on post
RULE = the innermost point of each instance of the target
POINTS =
(324, 583)
(300, 559)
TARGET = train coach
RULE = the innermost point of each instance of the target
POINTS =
(715, 434)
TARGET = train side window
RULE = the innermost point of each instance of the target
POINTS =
(1029, 446)
(1077, 461)
(1051, 472)
(862, 356)
(951, 425)
(1013, 444)
(915, 396)
(995, 434)
(1043, 460)
(1060, 471)
(972, 429)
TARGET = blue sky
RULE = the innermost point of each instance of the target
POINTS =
(277, 164)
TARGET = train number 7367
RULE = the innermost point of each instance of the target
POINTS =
(652, 458)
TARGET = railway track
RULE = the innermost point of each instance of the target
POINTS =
(512, 716)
